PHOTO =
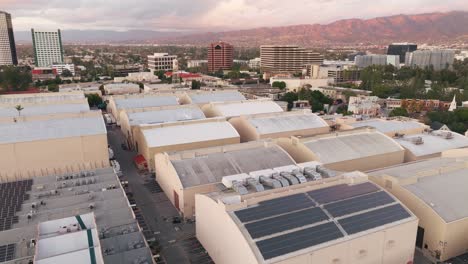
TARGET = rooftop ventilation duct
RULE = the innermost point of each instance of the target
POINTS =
(270, 182)
(239, 188)
(255, 184)
(282, 180)
(300, 177)
(311, 173)
(326, 173)
(417, 140)
(288, 176)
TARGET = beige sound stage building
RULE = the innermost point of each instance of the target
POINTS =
(42, 98)
(232, 109)
(388, 127)
(431, 144)
(49, 144)
(184, 174)
(435, 191)
(339, 220)
(276, 125)
(117, 104)
(131, 120)
(201, 98)
(185, 135)
(360, 149)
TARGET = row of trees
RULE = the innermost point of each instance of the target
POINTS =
(14, 78)
(457, 120)
(316, 99)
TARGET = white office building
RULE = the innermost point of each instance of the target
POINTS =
(255, 63)
(7, 41)
(161, 62)
(64, 66)
(196, 63)
(48, 49)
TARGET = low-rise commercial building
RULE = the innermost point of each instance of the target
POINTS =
(296, 84)
(364, 105)
(81, 218)
(276, 125)
(184, 174)
(61, 67)
(121, 88)
(430, 144)
(249, 107)
(184, 135)
(161, 62)
(124, 70)
(344, 219)
(132, 120)
(45, 145)
(435, 191)
(117, 104)
(359, 149)
(144, 77)
(86, 88)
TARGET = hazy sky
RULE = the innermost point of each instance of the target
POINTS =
(205, 14)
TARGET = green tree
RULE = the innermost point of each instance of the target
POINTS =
(281, 85)
(14, 78)
(289, 97)
(196, 85)
(94, 100)
(398, 112)
(66, 73)
(19, 108)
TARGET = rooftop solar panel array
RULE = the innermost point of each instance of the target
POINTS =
(7, 252)
(288, 224)
(12, 196)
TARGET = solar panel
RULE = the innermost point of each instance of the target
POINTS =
(298, 240)
(359, 203)
(7, 252)
(275, 207)
(285, 222)
(372, 219)
(342, 191)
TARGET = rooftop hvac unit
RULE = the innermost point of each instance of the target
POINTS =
(74, 227)
(417, 140)
(255, 184)
(325, 172)
(34, 205)
(83, 182)
(448, 135)
(311, 173)
(91, 206)
(59, 178)
(239, 188)
(77, 183)
(288, 176)
(270, 182)
(82, 174)
(299, 176)
(282, 180)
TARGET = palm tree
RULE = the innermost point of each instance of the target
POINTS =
(19, 108)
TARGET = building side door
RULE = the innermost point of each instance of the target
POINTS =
(420, 237)
(176, 200)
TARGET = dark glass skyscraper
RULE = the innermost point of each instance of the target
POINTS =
(400, 49)
(7, 41)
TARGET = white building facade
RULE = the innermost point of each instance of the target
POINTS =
(7, 41)
(63, 66)
(48, 49)
(161, 62)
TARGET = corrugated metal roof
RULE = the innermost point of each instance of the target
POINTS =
(213, 167)
(248, 108)
(35, 110)
(352, 146)
(40, 98)
(281, 123)
(141, 102)
(386, 126)
(51, 129)
(216, 97)
(432, 143)
(188, 133)
(163, 116)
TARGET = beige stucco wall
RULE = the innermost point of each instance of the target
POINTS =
(225, 243)
(37, 158)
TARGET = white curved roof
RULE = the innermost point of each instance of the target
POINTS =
(433, 143)
(386, 126)
(164, 116)
(199, 98)
(351, 146)
(142, 102)
(188, 133)
(282, 123)
(40, 98)
(248, 108)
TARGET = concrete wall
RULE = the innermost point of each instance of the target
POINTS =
(38, 158)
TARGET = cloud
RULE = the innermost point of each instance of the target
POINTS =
(193, 15)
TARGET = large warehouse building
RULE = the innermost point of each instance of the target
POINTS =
(276, 125)
(117, 104)
(390, 127)
(431, 144)
(53, 145)
(249, 107)
(360, 149)
(186, 135)
(40, 98)
(132, 120)
(201, 98)
(341, 220)
(184, 174)
(435, 191)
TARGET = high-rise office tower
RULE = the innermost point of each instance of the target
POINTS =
(220, 56)
(437, 59)
(400, 49)
(48, 47)
(287, 58)
(7, 41)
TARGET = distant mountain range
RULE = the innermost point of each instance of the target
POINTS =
(430, 28)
